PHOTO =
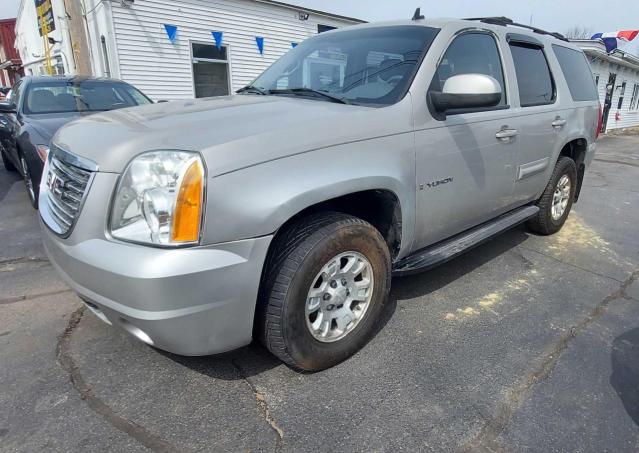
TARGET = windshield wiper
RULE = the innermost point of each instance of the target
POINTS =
(324, 94)
(253, 89)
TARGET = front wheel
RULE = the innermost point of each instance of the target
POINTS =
(32, 189)
(325, 284)
(556, 201)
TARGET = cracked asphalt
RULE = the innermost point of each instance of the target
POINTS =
(526, 343)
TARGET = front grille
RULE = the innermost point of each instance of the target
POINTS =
(66, 185)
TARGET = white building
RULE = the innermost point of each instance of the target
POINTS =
(30, 43)
(617, 77)
(127, 39)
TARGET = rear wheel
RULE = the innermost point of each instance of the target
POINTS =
(326, 282)
(7, 163)
(556, 201)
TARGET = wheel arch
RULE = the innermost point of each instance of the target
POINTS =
(576, 149)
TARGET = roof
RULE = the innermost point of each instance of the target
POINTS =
(596, 48)
(68, 78)
(312, 11)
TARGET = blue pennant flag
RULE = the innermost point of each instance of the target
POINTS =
(260, 44)
(217, 35)
(293, 45)
(171, 32)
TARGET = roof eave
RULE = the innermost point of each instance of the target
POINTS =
(312, 11)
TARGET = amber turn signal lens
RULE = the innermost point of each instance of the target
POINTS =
(188, 206)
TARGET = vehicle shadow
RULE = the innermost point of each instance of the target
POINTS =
(7, 180)
(254, 359)
(625, 371)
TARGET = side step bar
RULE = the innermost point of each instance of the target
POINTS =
(448, 249)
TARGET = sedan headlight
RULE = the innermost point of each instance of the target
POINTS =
(159, 199)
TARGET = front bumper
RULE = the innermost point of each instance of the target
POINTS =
(192, 301)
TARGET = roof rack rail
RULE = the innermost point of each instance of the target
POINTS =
(504, 21)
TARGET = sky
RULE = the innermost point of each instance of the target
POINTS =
(553, 15)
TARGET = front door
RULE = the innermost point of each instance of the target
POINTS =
(610, 91)
(465, 165)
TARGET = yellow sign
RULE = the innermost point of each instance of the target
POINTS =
(46, 22)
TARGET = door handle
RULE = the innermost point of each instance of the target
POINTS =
(505, 134)
(558, 123)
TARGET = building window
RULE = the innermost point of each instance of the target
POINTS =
(597, 80)
(622, 93)
(322, 28)
(634, 102)
(210, 70)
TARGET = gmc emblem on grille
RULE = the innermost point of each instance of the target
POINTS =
(53, 182)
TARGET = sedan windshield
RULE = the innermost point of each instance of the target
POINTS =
(81, 96)
(367, 66)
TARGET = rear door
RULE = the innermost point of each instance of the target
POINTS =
(465, 172)
(541, 121)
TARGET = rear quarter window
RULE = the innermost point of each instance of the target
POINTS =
(577, 73)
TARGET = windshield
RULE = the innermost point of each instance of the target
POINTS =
(81, 96)
(368, 66)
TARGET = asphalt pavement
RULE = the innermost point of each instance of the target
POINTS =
(526, 343)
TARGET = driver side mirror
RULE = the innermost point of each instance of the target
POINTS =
(467, 91)
(5, 107)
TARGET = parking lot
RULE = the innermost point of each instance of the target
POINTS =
(526, 343)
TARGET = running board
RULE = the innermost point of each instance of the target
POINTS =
(448, 249)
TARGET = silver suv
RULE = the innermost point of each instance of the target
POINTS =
(281, 213)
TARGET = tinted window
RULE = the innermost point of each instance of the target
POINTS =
(471, 53)
(536, 86)
(369, 66)
(577, 72)
(80, 96)
(323, 28)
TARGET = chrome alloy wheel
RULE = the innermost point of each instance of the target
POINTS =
(339, 296)
(27, 178)
(560, 197)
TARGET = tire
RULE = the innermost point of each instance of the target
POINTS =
(545, 222)
(7, 163)
(294, 263)
(31, 186)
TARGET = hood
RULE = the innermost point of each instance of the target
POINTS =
(231, 132)
(47, 124)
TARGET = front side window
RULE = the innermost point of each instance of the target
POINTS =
(81, 96)
(536, 85)
(577, 73)
(369, 66)
(471, 53)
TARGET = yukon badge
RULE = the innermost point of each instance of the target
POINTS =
(433, 184)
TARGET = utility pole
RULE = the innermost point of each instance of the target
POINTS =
(77, 33)
(44, 26)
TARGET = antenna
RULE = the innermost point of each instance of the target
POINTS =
(418, 14)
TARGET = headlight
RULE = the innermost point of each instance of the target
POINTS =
(159, 199)
(43, 152)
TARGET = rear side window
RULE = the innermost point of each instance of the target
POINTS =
(577, 73)
(536, 85)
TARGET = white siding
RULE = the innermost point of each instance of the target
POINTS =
(147, 59)
(628, 117)
(30, 44)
